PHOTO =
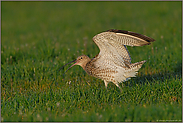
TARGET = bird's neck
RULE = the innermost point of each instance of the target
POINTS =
(83, 65)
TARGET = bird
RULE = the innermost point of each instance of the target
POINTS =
(113, 63)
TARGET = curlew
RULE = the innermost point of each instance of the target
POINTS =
(113, 63)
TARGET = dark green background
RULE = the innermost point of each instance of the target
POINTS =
(37, 38)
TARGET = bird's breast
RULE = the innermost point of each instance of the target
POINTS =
(104, 73)
(90, 68)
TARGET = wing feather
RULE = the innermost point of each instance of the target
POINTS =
(112, 45)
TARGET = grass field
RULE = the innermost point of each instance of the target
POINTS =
(37, 38)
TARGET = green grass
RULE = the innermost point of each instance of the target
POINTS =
(37, 38)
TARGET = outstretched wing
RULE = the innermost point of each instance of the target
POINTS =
(112, 45)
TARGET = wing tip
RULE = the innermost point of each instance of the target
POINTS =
(117, 31)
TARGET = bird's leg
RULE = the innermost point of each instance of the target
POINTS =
(118, 87)
(105, 84)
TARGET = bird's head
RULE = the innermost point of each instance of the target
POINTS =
(81, 60)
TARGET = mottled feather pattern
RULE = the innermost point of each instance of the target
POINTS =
(103, 73)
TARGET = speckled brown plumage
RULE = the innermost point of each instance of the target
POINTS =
(113, 63)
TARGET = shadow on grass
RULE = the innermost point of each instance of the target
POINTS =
(161, 76)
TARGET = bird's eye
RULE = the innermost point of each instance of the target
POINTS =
(81, 58)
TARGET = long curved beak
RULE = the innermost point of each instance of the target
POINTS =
(69, 67)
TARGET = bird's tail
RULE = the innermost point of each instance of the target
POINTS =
(133, 68)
